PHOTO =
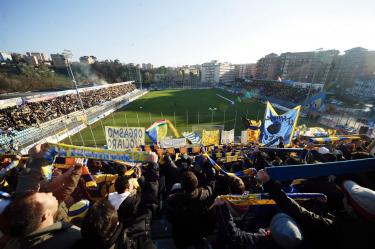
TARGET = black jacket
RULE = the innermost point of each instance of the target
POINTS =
(59, 235)
(338, 231)
(230, 236)
(190, 215)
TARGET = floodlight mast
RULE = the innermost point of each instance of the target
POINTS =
(67, 55)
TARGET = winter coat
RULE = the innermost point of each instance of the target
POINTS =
(190, 215)
(230, 236)
(337, 231)
(59, 235)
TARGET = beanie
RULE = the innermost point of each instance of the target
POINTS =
(285, 231)
(78, 209)
(361, 199)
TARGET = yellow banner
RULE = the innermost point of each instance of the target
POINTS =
(211, 137)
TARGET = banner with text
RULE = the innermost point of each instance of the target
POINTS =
(122, 138)
(173, 142)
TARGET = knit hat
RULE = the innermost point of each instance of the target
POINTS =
(285, 231)
(361, 199)
(78, 209)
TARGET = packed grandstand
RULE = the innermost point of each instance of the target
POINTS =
(276, 188)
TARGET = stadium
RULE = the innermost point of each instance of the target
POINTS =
(107, 125)
(187, 125)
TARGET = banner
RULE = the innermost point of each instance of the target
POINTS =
(211, 137)
(193, 137)
(276, 126)
(122, 138)
(227, 137)
(65, 150)
(173, 142)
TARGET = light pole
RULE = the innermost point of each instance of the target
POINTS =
(67, 55)
(212, 109)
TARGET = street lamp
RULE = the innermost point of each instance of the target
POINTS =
(212, 109)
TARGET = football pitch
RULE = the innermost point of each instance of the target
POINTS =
(184, 108)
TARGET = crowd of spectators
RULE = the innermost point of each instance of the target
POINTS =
(32, 113)
(281, 91)
(65, 210)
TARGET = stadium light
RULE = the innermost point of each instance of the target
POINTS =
(212, 109)
(68, 55)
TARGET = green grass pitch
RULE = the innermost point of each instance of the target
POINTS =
(180, 107)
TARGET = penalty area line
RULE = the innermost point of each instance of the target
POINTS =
(230, 101)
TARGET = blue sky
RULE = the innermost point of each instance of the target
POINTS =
(179, 32)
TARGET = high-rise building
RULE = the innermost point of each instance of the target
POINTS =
(40, 57)
(59, 61)
(87, 59)
(364, 88)
(268, 67)
(214, 72)
(147, 66)
(354, 64)
(310, 67)
(188, 74)
(31, 60)
(245, 71)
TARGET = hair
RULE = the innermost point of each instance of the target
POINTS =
(121, 170)
(121, 184)
(236, 185)
(99, 223)
(24, 214)
(93, 167)
(189, 181)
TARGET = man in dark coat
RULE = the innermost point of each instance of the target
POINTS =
(353, 227)
(189, 213)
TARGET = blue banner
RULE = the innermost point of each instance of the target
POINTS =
(275, 126)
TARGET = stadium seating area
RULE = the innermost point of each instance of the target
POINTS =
(32, 113)
(281, 91)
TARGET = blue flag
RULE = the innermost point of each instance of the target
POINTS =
(276, 126)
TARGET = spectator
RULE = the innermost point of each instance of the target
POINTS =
(352, 228)
(188, 212)
(123, 189)
(31, 223)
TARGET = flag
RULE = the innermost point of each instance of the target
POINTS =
(211, 137)
(249, 135)
(227, 137)
(193, 137)
(276, 126)
(251, 124)
(157, 131)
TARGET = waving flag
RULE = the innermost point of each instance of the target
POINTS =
(157, 131)
(276, 126)
(193, 137)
